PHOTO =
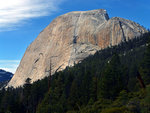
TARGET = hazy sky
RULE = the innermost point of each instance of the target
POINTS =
(22, 20)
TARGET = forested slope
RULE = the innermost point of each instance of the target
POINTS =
(114, 80)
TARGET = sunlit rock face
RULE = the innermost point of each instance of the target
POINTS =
(70, 38)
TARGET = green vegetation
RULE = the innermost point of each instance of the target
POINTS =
(111, 81)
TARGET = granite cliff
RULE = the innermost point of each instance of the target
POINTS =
(70, 38)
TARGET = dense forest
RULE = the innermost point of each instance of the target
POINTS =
(114, 80)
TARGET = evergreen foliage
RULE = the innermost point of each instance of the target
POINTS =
(145, 65)
(113, 78)
(102, 83)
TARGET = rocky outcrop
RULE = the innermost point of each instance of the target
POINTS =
(69, 39)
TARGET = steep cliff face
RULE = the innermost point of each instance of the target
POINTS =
(69, 39)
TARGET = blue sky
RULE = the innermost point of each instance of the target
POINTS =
(22, 20)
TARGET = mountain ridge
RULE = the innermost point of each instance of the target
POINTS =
(5, 76)
(70, 38)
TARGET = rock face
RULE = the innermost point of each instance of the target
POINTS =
(69, 39)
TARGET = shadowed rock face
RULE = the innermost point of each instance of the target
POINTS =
(69, 39)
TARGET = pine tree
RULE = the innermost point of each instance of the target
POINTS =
(145, 65)
(27, 96)
(93, 88)
(112, 80)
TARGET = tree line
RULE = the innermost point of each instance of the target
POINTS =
(111, 81)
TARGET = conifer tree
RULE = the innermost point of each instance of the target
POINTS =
(112, 80)
(145, 65)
